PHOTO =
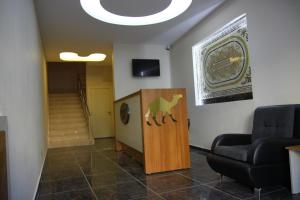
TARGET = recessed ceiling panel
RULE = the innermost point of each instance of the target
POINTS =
(65, 26)
(135, 8)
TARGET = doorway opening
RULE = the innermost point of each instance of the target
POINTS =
(80, 103)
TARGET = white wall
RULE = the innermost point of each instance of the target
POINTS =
(130, 134)
(274, 29)
(124, 82)
(21, 95)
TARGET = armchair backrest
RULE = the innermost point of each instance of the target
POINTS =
(273, 121)
(297, 122)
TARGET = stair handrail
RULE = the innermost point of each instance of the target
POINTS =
(83, 99)
(84, 104)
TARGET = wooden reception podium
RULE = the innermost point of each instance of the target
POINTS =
(151, 125)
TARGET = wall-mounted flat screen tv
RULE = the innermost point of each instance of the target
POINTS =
(145, 67)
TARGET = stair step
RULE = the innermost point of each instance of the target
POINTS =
(64, 103)
(66, 118)
(68, 128)
(67, 137)
(61, 116)
(66, 108)
(68, 142)
(61, 99)
(68, 125)
(65, 111)
(72, 94)
(74, 112)
(67, 133)
(70, 120)
(64, 100)
(71, 143)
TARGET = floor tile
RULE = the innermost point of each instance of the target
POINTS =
(138, 172)
(94, 163)
(124, 160)
(58, 154)
(63, 185)
(239, 190)
(197, 193)
(111, 154)
(110, 178)
(57, 161)
(99, 168)
(61, 173)
(124, 191)
(197, 156)
(83, 148)
(203, 175)
(198, 150)
(198, 161)
(105, 144)
(283, 194)
(73, 195)
(84, 154)
(150, 197)
(59, 151)
(168, 183)
(234, 188)
(115, 175)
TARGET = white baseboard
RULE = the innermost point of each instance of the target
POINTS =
(40, 175)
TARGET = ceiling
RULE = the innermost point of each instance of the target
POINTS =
(65, 26)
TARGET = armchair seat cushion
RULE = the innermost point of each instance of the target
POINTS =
(236, 152)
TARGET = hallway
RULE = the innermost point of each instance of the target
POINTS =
(98, 172)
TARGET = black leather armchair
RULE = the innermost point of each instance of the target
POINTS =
(259, 159)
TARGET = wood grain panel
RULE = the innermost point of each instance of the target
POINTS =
(294, 148)
(166, 147)
(3, 171)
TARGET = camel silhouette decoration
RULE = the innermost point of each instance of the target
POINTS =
(162, 105)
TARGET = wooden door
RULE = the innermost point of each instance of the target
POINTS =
(101, 107)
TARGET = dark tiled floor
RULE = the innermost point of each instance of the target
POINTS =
(98, 172)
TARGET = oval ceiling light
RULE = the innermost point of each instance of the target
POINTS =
(70, 56)
(96, 10)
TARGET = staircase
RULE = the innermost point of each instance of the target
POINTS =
(68, 124)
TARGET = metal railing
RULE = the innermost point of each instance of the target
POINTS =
(84, 104)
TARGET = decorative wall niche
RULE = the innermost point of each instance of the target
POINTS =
(222, 70)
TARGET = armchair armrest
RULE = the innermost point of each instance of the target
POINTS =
(231, 139)
(271, 150)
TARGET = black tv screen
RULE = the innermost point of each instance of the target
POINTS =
(145, 67)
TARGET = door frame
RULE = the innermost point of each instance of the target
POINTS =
(104, 86)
